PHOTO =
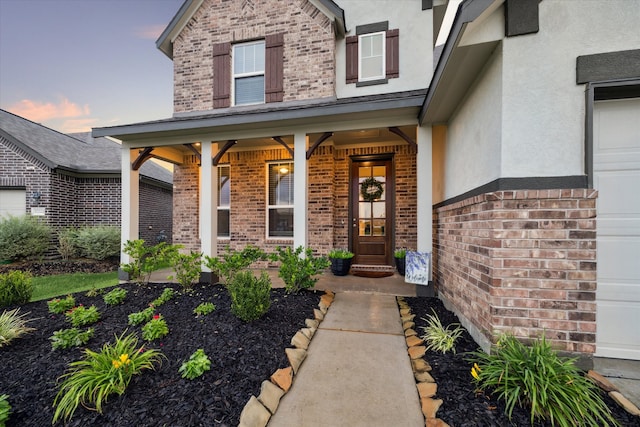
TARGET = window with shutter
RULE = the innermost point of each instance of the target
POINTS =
(372, 55)
(273, 73)
(248, 73)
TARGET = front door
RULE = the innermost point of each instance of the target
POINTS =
(371, 196)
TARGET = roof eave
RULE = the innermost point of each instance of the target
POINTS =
(184, 14)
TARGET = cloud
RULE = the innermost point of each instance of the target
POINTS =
(77, 125)
(39, 111)
(151, 32)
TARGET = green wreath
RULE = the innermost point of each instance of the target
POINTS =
(371, 189)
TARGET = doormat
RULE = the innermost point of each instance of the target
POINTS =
(372, 270)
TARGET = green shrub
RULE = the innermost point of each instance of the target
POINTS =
(67, 246)
(340, 254)
(187, 268)
(536, 378)
(15, 288)
(99, 242)
(59, 306)
(5, 409)
(204, 309)
(82, 316)
(115, 296)
(298, 267)
(155, 328)
(146, 259)
(438, 338)
(141, 317)
(165, 296)
(91, 380)
(227, 265)
(13, 325)
(197, 365)
(23, 237)
(72, 337)
(250, 296)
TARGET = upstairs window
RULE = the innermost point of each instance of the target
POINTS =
(372, 55)
(280, 200)
(224, 201)
(248, 73)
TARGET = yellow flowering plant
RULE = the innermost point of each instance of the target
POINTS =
(91, 380)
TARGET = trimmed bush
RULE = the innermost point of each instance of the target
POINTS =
(250, 296)
(23, 237)
(15, 288)
(299, 267)
(99, 242)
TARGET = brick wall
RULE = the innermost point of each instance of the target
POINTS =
(186, 204)
(156, 212)
(522, 262)
(308, 48)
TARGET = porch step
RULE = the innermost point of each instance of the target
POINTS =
(372, 270)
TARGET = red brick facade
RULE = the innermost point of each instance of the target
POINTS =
(522, 262)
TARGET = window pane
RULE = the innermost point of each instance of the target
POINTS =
(249, 90)
(223, 223)
(371, 67)
(372, 56)
(281, 222)
(378, 227)
(280, 184)
(379, 210)
(248, 58)
(224, 186)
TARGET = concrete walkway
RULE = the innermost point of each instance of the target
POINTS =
(357, 371)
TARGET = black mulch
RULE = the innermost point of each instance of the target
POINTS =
(462, 406)
(243, 355)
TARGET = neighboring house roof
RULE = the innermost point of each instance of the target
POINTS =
(189, 8)
(78, 153)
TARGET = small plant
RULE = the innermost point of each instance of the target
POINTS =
(155, 328)
(146, 259)
(115, 296)
(91, 380)
(141, 317)
(67, 243)
(82, 316)
(535, 377)
(23, 237)
(72, 337)
(15, 288)
(400, 253)
(204, 309)
(197, 365)
(438, 338)
(187, 268)
(232, 262)
(250, 296)
(340, 254)
(164, 297)
(298, 267)
(94, 292)
(13, 325)
(61, 305)
(5, 409)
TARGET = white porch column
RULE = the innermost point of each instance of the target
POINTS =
(424, 188)
(208, 207)
(300, 212)
(130, 203)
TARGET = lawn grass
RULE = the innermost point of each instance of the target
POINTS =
(46, 287)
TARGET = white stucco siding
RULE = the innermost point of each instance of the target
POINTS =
(472, 151)
(543, 107)
(415, 43)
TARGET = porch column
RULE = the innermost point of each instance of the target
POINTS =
(130, 203)
(424, 189)
(208, 208)
(300, 212)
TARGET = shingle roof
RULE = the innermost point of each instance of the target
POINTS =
(79, 152)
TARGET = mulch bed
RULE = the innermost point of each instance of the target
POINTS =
(49, 267)
(242, 354)
(462, 405)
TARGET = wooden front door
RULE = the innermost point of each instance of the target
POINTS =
(371, 197)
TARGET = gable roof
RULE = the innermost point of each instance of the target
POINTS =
(78, 153)
(189, 8)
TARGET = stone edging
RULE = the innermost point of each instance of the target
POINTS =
(425, 383)
(613, 392)
(258, 410)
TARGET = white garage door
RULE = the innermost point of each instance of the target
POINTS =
(616, 164)
(12, 202)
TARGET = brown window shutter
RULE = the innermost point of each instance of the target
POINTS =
(221, 75)
(393, 56)
(352, 59)
(274, 68)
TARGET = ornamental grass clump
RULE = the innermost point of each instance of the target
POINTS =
(15, 288)
(13, 325)
(115, 296)
(61, 305)
(155, 328)
(438, 338)
(71, 337)
(91, 380)
(536, 378)
(197, 365)
(83, 316)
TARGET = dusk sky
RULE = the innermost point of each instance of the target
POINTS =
(76, 64)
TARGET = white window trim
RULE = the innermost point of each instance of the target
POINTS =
(384, 56)
(269, 207)
(235, 76)
(224, 207)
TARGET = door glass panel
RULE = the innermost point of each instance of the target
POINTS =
(372, 212)
(365, 209)
(378, 227)
(379, 209)
(365, 227)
